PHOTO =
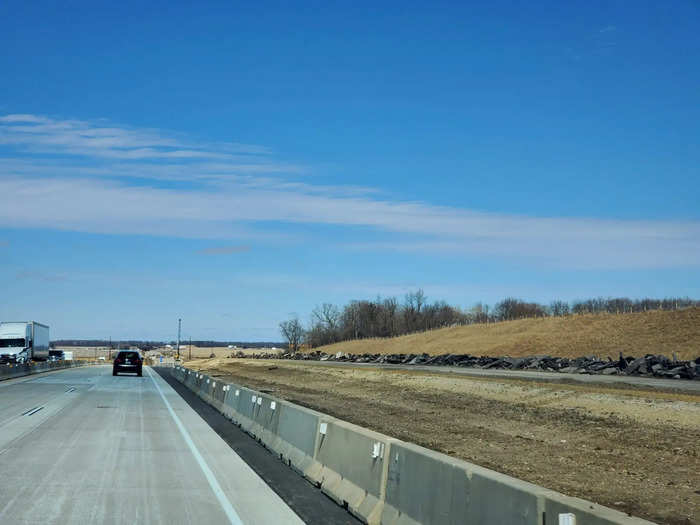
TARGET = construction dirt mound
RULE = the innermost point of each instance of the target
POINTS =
(632, 334)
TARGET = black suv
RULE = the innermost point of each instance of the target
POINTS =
(128, 361)
(56, 355)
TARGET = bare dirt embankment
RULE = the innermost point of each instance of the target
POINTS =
(637, 450)
(636, 334)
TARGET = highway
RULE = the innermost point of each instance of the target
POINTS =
(82, 446)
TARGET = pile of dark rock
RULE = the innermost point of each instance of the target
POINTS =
(650, 365)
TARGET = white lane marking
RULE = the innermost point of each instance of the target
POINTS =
(33, 411)
(215, 487)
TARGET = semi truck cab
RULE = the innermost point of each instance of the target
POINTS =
(21, 342)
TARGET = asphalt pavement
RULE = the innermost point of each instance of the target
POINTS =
(82, 446)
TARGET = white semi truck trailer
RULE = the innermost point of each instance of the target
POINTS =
(20, 342)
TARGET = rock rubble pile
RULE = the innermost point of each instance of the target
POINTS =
(650, 365)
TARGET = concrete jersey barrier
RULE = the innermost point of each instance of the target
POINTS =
(352, 465)
(383, 480)
(13, 371)
(298, 437)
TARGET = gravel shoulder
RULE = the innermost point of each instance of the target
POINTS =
(637, 450)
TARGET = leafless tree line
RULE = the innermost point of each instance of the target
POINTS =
(387, 317)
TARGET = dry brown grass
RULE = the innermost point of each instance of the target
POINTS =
(655, 332)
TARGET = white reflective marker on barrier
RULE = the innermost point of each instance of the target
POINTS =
(323, 428)
(567, 519)
(238, 392)
(260, 401)
(273, 405)
(213, 385)
(254, 399)
(378, 450)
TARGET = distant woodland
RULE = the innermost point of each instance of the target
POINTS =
(390, 317)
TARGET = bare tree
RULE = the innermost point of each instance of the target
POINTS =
(328, 315)
(293, 332)
(559, 308)
(412, 306)
(391, 305)
(511, 308)
(387, 318)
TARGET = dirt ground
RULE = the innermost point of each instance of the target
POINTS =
(633, 449)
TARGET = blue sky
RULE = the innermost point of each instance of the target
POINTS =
(234, 164)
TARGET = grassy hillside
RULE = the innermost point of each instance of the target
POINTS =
(656, 332)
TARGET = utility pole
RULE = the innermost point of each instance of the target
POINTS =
(190, 357)
(179, 326)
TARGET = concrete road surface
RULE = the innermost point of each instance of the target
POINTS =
(81, 446)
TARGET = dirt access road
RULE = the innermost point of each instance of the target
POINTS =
(633, 449)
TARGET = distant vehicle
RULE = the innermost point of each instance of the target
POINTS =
(128, 361)
(56, 355)
(68, 355)
(20, 342)
(101, 358)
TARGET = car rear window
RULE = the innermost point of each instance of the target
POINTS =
(128, 355)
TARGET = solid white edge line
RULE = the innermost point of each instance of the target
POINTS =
(213, 483)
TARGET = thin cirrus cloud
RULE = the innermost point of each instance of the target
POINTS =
(80, 192)
(224, 250)
(42, 134)
(31, 275)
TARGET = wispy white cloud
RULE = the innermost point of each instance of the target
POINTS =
(24, 118)
(226, 211)
(34, 275)
(235, 168)
(39, 134)
(224, 250)
(234, 201)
